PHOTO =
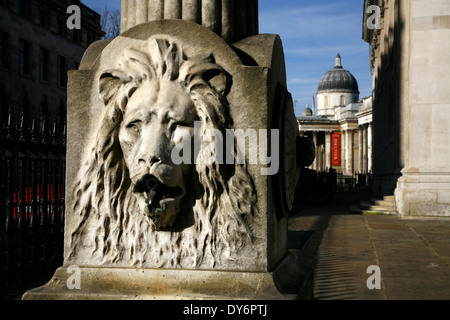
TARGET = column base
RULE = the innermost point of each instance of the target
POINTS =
(289, 280)
(423, 192)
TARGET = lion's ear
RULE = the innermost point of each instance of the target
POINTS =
(218, 80)
(110, 82)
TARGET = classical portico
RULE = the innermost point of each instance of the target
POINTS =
(342, 125)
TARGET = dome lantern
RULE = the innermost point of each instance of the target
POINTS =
(338, 80)
(338, 61)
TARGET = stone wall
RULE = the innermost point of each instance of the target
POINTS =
(411, 120)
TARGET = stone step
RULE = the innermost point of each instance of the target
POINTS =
(372, 212)
(385, 206)
(367, 209)
(370, 205)
(384, 203)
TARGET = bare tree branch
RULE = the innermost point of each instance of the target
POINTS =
(110, 22)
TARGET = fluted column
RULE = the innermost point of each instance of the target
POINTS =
(172, 9)
(369, 147)
(361, 148)
(349, 146)
(190, 10)
(327, 150)
(155, 10)
(232, 20)
(315, 163)
(365, 145)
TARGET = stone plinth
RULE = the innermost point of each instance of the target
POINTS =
(163, 284)
(221, 228)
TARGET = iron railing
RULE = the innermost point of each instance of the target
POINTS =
(320, 186)
(32, 171)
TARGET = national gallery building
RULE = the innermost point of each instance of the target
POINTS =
(342, 128)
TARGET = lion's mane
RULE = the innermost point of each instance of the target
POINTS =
(110, 229)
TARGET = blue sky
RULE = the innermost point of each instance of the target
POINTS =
(313, 32)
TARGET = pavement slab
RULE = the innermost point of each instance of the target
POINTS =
(413, 255)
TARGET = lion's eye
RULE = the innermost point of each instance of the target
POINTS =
(134, 126)
(177, 124)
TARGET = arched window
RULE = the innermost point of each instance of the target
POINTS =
(342, 100)
(326, 101)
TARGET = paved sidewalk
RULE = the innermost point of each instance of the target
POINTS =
(413, 255)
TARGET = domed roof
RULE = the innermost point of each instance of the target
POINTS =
(338, 80)
(307, 112)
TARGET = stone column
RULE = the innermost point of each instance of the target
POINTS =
(344, 151)
(233, 20)
(349, 146)
(328, 150)
(369, 147)
(361, 143)
(315, 163)
(364, 146)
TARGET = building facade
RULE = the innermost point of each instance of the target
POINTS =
(341, 129)
(409, 58)
(37, 50)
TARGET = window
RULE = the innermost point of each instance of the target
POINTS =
(24, 57)
(342, 100)
(23, 7)
(76, 35)
(59, 27)
(4, 49)
(326, 101)
(89, 39)
(62, 73)
(42, 17)
(43, 64)
(4, 3)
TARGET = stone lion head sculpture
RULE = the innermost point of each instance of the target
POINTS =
(153, 95)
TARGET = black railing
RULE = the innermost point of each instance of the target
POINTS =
(32, 171)
(320, 186)
(355, 182)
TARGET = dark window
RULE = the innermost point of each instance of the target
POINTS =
(24, 7)
(89, 39)
(4, 3)
(43, 64)
(76, 65)
(76, 35)
(4, 49)
(59, 27)
(42, 17)
(24, 57)
(62, 72)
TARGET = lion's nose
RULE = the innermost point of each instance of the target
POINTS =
(149, 160)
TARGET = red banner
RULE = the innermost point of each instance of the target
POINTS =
(336, 149)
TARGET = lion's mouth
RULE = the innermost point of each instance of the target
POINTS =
(158, 201)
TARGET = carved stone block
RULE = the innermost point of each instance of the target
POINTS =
(160, 92)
